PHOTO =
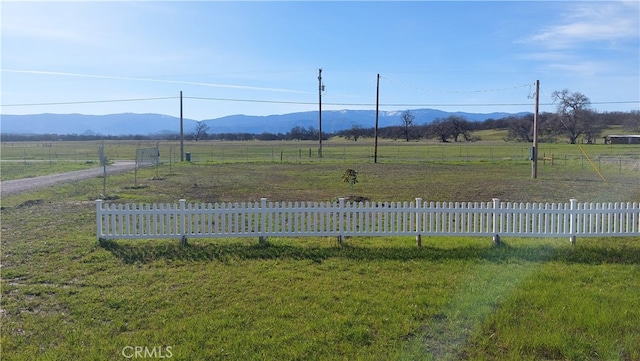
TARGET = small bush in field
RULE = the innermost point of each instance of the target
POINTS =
(350, 176)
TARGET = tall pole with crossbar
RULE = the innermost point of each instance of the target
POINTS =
(375, 147)
(534, 149)
(320, 89)
(181, 131)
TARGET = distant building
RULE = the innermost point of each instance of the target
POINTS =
(622, 139)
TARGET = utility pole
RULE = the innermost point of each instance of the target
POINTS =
(375, 151)
(103, 162)
(181, 131)
(320, 89)
(534, 149)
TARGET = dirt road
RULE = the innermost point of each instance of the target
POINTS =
(27, 184)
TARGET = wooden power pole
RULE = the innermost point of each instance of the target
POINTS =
(181, 131)
(375, 147)
(320, 89)
(534, 149)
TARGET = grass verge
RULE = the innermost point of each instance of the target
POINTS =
(65, 296)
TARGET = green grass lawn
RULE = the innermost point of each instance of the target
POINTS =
(66, 296)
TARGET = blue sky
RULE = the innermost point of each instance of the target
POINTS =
(262, 58)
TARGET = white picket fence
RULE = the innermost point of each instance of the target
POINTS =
(296, 219)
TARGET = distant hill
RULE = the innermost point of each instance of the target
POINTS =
(150, 124)
(332, 121)
(111, 124)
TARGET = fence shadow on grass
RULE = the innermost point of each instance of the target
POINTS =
(584, 254)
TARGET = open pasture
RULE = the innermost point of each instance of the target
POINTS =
(608, 159)
(64, 296)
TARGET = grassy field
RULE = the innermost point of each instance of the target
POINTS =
(28, 159)
(491, 149)
(65, 296)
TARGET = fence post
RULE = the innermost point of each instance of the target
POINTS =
(496, 236)
(99, 219)
(183, 223)
(339, 219)
(418, 213)
(263, 222)
(572, 225)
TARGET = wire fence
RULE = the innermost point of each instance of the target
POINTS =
(606, 158)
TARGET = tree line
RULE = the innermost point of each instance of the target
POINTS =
(551, 128)
(573, 120)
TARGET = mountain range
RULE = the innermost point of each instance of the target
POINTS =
(152, 124)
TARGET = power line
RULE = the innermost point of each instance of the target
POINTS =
(304, 103)
(622, 102)
(457, 91)
(86, 102)
(394, 104)
(253, 100)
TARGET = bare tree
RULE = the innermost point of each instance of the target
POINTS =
(459, 126)
(592, 126)
(452, 126)
(201, 131)
(631, 121)
(573, 114)
(407, 124)
(441, 129)
(356, 131)
(520, 128)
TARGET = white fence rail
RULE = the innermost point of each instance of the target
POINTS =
(295, 219)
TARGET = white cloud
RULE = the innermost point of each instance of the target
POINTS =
(583, 69)
(590, 22)
(545, 56)
(588, 39)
